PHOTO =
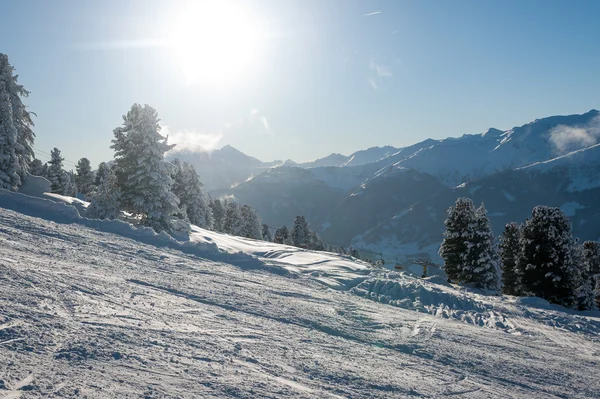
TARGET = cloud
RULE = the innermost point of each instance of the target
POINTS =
(371, 14)
(265, 122)
(191, 140)
(569, 138)
(122, 44)
(377, 72)
(257, 119)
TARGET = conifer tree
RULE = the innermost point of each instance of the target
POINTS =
(509, 251)
(233, 223)
(188, 188)
(481, 261)
(546, 265)
(300, 233)
(251, 225)
(282, 236)
(85, 177)
(459, 225)
(142, 174)
(56, 175)
(105, 200)
(218, 212)
(21, 119)
(37, 168)
(10, 178)
(585, 294)
(101, 174)
(266, 233)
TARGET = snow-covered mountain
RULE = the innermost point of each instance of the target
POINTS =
(369, 204)
(100, 309)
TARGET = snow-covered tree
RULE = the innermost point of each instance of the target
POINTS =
(482, 262)
(585, 294)
(85, 177)
(10, 178)
(218, 212)
(233, 223)
(547, 263)
(509, 251)
(142, 174)
(101, 174)
(105, 200)
(188, 188)
(459, 226)
(266, 233)
(56, 174)
(300, 234)
(282, 236)
(37, 168)
(251, 224)
(354, 252)
(67, 181)
(21, 119)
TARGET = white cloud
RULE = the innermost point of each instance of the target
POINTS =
(569, 138)
(191, 140)
(265, 122)
(371, 14)
(377, 72)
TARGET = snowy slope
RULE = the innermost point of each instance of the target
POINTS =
(86, 310)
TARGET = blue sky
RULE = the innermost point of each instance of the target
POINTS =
(325, 76)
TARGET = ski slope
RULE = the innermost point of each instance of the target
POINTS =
(102, 310)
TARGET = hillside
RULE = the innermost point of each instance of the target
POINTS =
(100, 309)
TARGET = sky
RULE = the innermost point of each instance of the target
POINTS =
(283, 79)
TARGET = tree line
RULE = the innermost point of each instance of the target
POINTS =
(539, 257)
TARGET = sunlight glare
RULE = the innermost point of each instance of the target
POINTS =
(215, 42)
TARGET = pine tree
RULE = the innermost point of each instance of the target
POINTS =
(10, 178)
(233, 223)
(56, 174)
(354, 253)
(546, 265)
(67, 181)
(282, 236)
(101, 174)
(300, 232)
(142, 174)
(266, 233)
(21, 118)
(481, 261)
(251, 224)
(459, 225)
(105, 200)
(218, 212)
(188, 188)
(37, 168)
(85, 177)
(586, 295)
(509, 250)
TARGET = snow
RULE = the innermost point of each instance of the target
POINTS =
(100, 309)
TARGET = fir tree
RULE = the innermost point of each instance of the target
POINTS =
(266, 233)
(481, 261)
(282, 236)
(586, 295)
(10, 178)
(509, 250)
(56, 174)
(546, 264)
(459, 225)
(354, 253)
(300, 233)
(218, 212)
(188, 188)
(233, 223)
(142, 174)
(85, 177)
(21, 117)
(37, 168)
(105, 200)
(101, 174)
(251, 224)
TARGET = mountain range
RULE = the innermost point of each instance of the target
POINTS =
(394, 200)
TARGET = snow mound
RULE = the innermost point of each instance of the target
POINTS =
(405, 292)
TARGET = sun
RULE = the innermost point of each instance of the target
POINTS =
(215, 42)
